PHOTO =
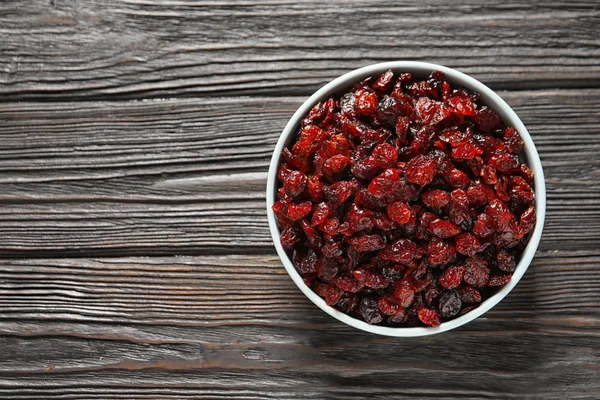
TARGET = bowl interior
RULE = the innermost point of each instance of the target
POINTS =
(419, 70)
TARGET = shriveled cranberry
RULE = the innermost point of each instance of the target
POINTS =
(476, 272)
(365, 243)
(320, 214)
(312, 235)
(315, 188)
(513, 141)
(330, 293)
(370, 278)
(308, 141)
(421, 170)
(384, 82)
(401, 251)
(528, 220)
(366, 102)
(386, 155)
(297, 211)
(436, 198)
(339, 192)
(484, 226)
(506, 261)
(369, 310)
(469, 294)
(452, 276)
(499, 280)
(404, 293)
(399, 212)
(334, 167)
(450, 303)
(387, 304)
(347, 283)
(440, 252)
(468, 244)
(458, 209)
(332, 250)
(429, 316)
(443, 229)
(457, 179)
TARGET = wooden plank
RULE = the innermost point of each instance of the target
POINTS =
(236, 327)
(68, 49)
(188, 176)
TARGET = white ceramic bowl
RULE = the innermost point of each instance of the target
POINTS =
(419, 70)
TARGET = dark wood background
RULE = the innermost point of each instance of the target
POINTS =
(135, 259)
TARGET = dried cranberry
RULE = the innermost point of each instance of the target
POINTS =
(452, 276)
(421, 170)
(443, 229)
(450, 303)
(369, 310)
(429, 316)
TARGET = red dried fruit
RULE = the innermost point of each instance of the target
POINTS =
(289, 237)
(465, 151)
(320, 214)
(436, 198)
(513, 141)
(458, 209)
(372, 172)
(440, 252)
(294, 183)
(332, 250)
(401, 251)
(334, 167)
(429, 316)
(484, 226)
(469, 294)
(388, 305)
(399, 212)
(528, 220)
(443, 229)
(386, 155)
(339, 192)
(297, 211)
(421, 170)
(476, 272)
(308, 141)
(331, 294)
(365, 243)
(450, 303)
(452, 276)
(505, 163)
(347, 283)
(506, 261)
(499, 280)
(457, 179)
(365, 102)
(404, 293)
(384, 82)
(369, 310)
(369, 278)
(359, 219)
(315, 188)
(312, 235)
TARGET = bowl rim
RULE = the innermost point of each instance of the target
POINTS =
(489, 98)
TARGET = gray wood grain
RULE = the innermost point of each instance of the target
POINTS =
(138, 49)
(188, 176)
(236, 327)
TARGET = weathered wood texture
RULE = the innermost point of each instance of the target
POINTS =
(100, 197)
(57, 49)
(188, 176)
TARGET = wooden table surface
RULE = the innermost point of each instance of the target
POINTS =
(135, 257)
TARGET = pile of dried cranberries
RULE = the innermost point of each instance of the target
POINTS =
(404, 202)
